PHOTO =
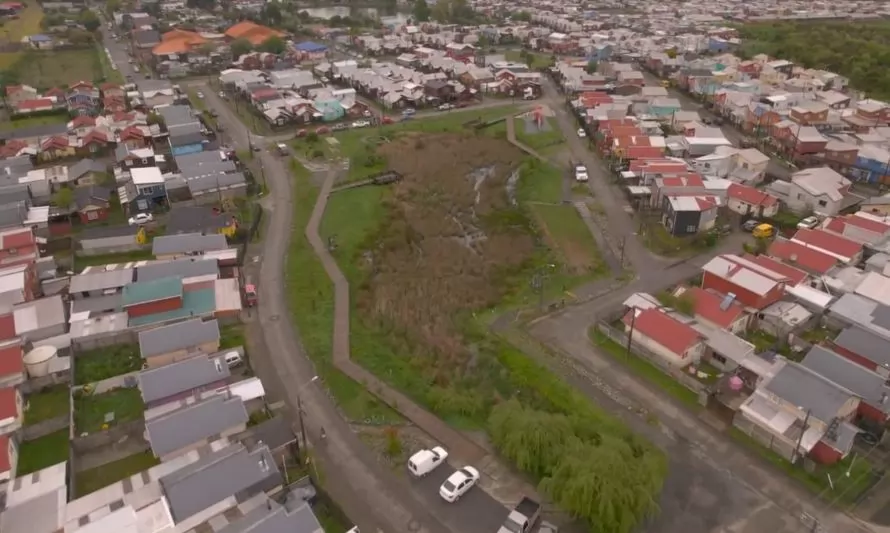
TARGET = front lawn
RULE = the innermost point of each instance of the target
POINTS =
(90, 410)
(30, 122)
(40, 453)
(47, 404)
(231, 336)
(103, 363)
(96, 478)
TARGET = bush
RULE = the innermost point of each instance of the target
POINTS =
(393, 442)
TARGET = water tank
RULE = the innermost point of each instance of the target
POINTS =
(37, 360)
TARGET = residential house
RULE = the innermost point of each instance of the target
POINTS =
(83, 98)
(18, 246)
(175, 342)
(181, 379)
(716, 310)
(144, 298)
(93, 203)
(194, 425)
(12, 366)
(676, 343)
(87, 172)
(16, 94)
(177, 45)
(11, 410)
(795, 276)
(311, 51)
(871, 388)
(200, 219)
(252, 32)
(840, 156)
(844, 250)
(750, 202)
(872, 164)
(809, 113)
(688, 215)
(184, 129)
(865, 348)
(820, 190)
(750, 283)
(147, 183)
(860, 227)
(41, 319)
(803, 257)
(186, 245)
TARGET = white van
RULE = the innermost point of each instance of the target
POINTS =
(233, 359)
(425, 461)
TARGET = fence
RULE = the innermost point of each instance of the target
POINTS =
(255, 221)
(102, 340)
(646, 354)
(37, 384)
(135, 429)
(90, 247)
(45, 427)
(763, 437)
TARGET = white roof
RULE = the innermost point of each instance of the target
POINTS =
(743, 273)
(821, 181)
(146, 176)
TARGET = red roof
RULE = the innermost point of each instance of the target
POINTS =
(666, 331)
(82, 121)
(828, 241)
(81, 84)
(690, 180)
(94, 136)
(16, 238)
(635, 152)
(5, 463)
(794, 274)
(131, 132)
(56, 141)
(798, 254)
(7, 326)
(11, 360)
(8, 408)
(839, 224)
(707, 306)
(37, 103)
(750, 195)
(55, 91)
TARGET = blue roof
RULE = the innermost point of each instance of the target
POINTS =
(309, 46)
(40, 38)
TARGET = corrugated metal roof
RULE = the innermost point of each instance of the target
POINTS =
(152, 291)
(169, 380)
(182, 335)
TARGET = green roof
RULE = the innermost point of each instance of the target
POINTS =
(194, 304)
(152, 291)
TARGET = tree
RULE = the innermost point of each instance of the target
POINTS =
(534, 448)
(273, 45)
(671, 53)
(240, 47)
(522, 16)
(272, 14)
(112, 5)
(89, 19)
(592, 65)
(63, 198)
(421, 11)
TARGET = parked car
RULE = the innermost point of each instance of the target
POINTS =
(386, 119)
(808, 223)
(199, 94)
(409, 112)
(233, 359)
(749, 225)
(445, 107)
(458, 484)
(581, 173)
(141, 218)
(425, 461)
(282, 149)
(361, 123)
(222, 95)
(522, 518)
(340, 126)
(582, 133)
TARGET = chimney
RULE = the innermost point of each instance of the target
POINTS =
(883, 398)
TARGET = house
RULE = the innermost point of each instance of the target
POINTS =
(176, 44)
(803, 257)
(438, 90)
(187, 244)
(751, 284)
(181, 379)
(200, 219)
(311, 51)
(865, 348)
(716, 310)
(252, 32)
(673, 341)
(795, 276)
(804, 413)
(8, 462)
(11, 410)
(176, 342)
(221, 480)
(12, 366)
(871, 388)
(820, 190)
(859, 227)
(294, 515)
(40, 319)
(844, 250)
(93, 203)
(17, 246)
(143, 298)
(750, 202)
(83, 98)
(87, 172)
(148, 183)
(688, 215)
(194, 425)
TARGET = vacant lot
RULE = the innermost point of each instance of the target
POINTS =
(91, 410)
(59, 68)
(567, 233)
(103, 363)
(27, 23)
(9, 125)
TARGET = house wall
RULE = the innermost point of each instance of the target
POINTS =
(825, 454)
(749, 298)
(158, 306)
(200, 444)
(160, 360)
(93, 215)
(13, 424)
(872, 413)
(677, 360)
(801, 201)
(185, 394)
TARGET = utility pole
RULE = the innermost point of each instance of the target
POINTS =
(623, 243)
(538, 286)
(794, 453)
(630, 334)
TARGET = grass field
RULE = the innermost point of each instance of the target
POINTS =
(96, 478)
(90, 409)
(43, 452)
(535, 61)
(59, 68)
(46, 404)
(27, 24)
(569, 235)
(28, 122)
(548, 136)
(103, 363)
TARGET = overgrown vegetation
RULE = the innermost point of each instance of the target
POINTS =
(103, 363)
(96, 478)
(47, 404)
(857, 50)
(683, 303)
(91, 410)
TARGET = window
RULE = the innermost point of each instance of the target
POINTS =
(92, 215)
(799, 196)
(690, 229)
(822, 203)
(719, 358)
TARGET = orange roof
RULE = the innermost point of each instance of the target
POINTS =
(177, 42)
(252, 32)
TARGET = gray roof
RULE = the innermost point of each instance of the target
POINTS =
(13, 215)
(85, 165)
(857, 379)
(198, 159)
(274, 433)
(154, 84)
(186, 138)
(101, 280)
(276, 520)
(197, 219)
(14, 194)
(232, 471)
(189, 171)
(808, 390)
(97, 304)
(221, 181)
(176, 115)
(178, 336)
(183, 376)
(185, 268)
(188, 243)
(43, 130)
(92, 195)
(41, 514)
(194, 423)
(866, 344)
(146, 37)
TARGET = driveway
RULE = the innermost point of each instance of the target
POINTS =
(369, 494)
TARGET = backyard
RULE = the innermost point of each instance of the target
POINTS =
(95, 412)
(43, 452)
(47, 404)
(231, 336)
(83, 261)
(103, 363)
(94, 479)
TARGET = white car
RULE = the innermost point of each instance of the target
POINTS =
(808, 223)
(361, 124)
(582, 133)
(581, 173)
(199, 94)
(141, 218)
(222, 95)
(425, 461)
(458, 484)
(445, 107)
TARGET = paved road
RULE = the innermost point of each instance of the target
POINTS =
(713, 485)
(369, 494)
(475, 512)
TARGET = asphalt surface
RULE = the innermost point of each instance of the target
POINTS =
(474, 512)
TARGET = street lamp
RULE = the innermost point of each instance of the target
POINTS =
(300, 410)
